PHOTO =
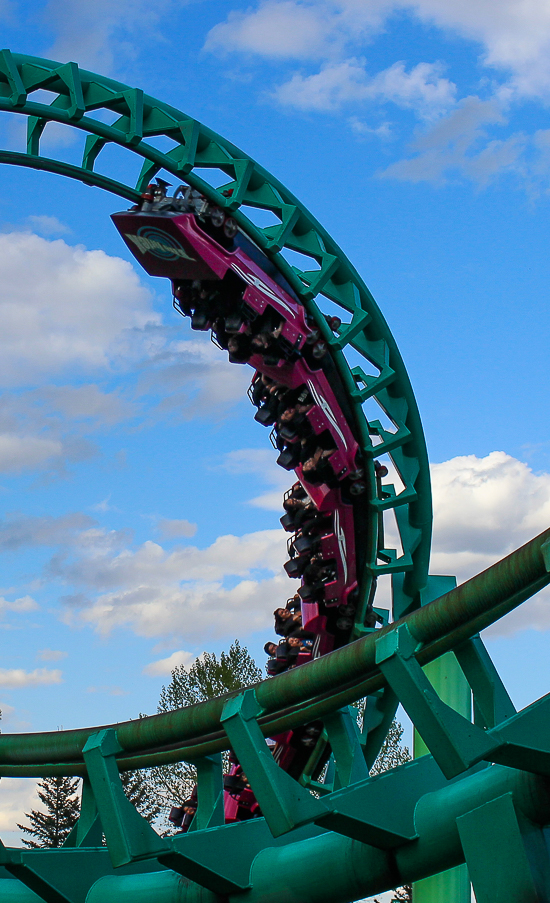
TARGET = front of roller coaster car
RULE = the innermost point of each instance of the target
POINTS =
(223, 282)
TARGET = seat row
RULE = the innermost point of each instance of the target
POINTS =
(225, 284)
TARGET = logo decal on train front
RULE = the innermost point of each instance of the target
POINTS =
(158, 243)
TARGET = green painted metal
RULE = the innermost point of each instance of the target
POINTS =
(345, 742)
(300, 695)
(452, 687)
(210, 811)
(450, 684)
(453, 740)
(452, 885)
(88, 831)
(129, 837)
(284, 803)
(492, 704)
(330, 866)
(224, 860)
(500, 846)
(58, 167)
(333, 867)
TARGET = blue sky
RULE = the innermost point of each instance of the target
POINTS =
(138, 499)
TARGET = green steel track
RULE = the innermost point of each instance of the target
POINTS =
(77, 98)
(418, 819)
(303, 694)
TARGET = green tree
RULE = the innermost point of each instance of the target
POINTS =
(403, 895)
(137, 789)
(393, 753)
(52, 827)
(208, 676)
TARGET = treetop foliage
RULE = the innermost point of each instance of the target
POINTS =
(208, 677)
(392, 752)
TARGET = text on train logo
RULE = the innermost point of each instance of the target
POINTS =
(158, 243)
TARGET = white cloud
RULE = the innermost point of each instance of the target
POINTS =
(189, 611)
(84, 402)
(334, 86)
(16, 678)
(18, 797)
(513, 35)
(67, 310)
(422, 89)
(44, 428)
(384, 130)
(275, 29)
(19, 531)
(234, 583)
(458, 145)
(19, 453)
(63, 307)
(290, 29)
(260, 462)
(51, 655)
(108, 689)
(192, 378)
(484, 508)
(103, 35)
(165, 666)
(174, 529)
(48, 225)
(493, 503)
(496, 158)
(24, 604)
(96, 566)
(103, 506)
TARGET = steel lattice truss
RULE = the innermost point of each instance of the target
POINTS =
(482, 795)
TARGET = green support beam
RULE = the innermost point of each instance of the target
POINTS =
(333, 867)
(88, 831)
(210, 811)
(507, 855)
(345, 742)
(284, 803)
(447, 679)
(492, 704)
(453, 740)
(129, 836)
(300, 695)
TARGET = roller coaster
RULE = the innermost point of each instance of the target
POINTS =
(299, 816)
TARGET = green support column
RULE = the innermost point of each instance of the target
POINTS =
(449, 682)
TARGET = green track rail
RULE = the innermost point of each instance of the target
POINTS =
(301, 695)
(77, 98)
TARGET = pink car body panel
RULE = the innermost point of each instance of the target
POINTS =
(175, 246)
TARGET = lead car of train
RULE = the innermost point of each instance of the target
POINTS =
(225, 284)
